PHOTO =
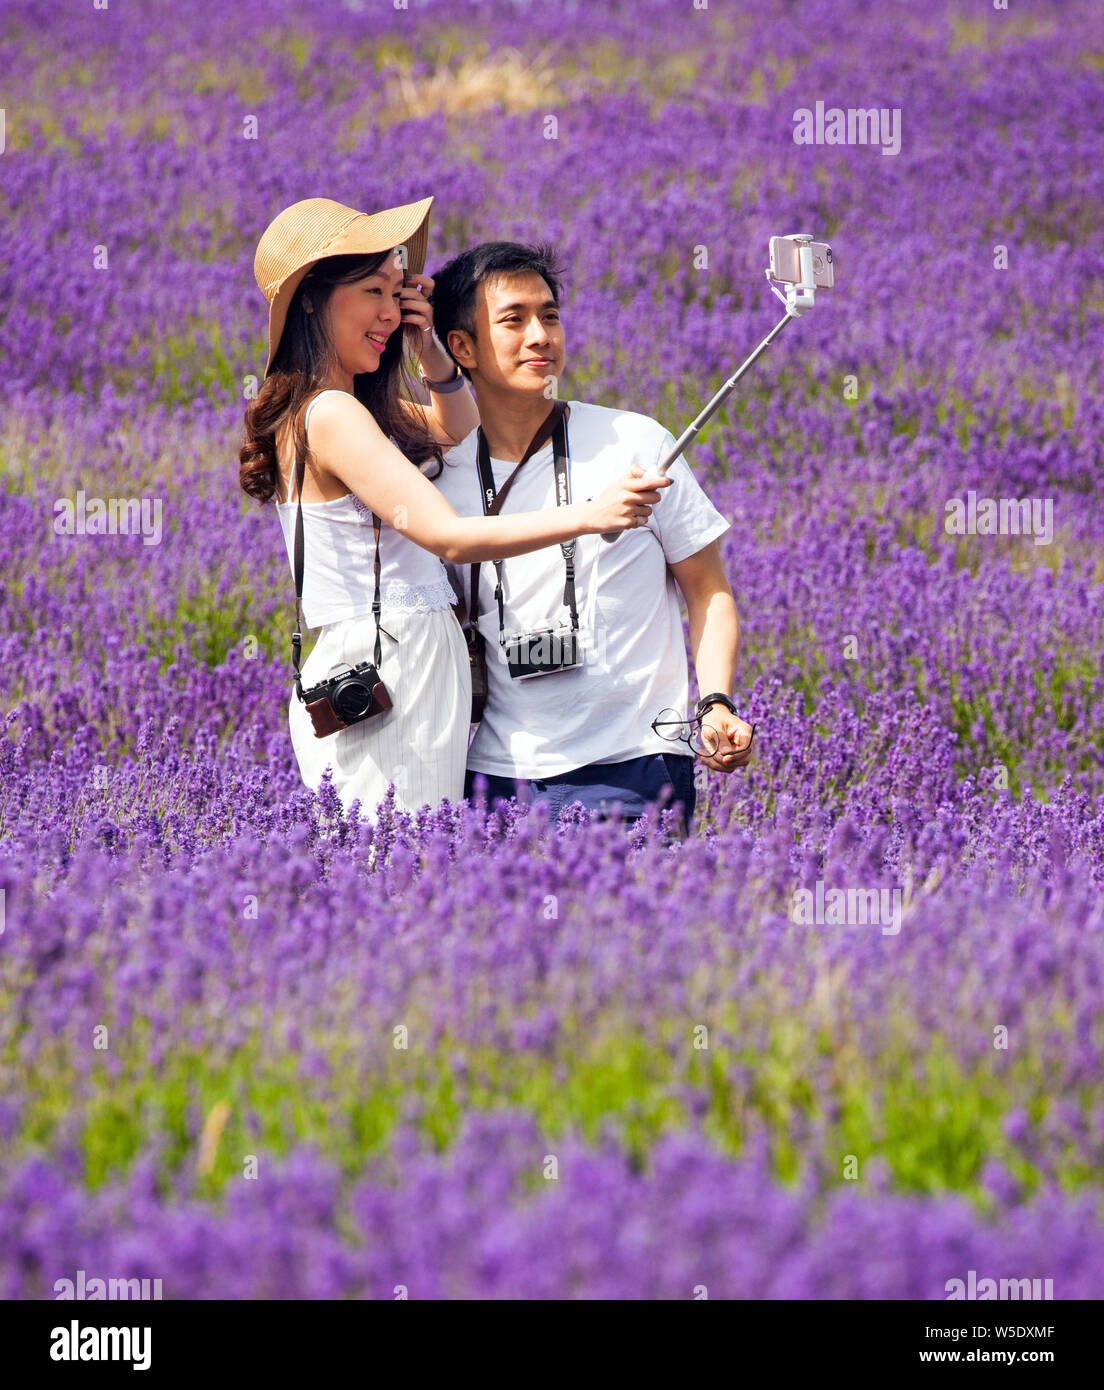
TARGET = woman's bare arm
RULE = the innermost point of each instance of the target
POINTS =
(347, 443)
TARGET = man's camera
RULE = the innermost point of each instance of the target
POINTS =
(347, 696)
(542, 651)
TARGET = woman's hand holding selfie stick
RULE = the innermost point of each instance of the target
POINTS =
(626, 503)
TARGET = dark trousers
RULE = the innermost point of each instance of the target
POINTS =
(633, 783)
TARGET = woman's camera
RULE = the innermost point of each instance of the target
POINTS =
(347, 696)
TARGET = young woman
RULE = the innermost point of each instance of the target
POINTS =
(347, 300)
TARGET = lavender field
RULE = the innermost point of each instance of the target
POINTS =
(256, 1049)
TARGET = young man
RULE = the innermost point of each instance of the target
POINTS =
(582, 732)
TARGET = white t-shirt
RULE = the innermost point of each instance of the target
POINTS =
(634, 653)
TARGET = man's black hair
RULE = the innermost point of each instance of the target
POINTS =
(456, 284)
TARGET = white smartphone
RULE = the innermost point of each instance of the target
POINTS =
(785, 262)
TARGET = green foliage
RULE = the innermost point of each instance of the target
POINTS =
(933, 1119)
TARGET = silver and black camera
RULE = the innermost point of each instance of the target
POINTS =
(348, 695)
(541, 652)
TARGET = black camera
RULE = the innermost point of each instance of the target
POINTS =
(543, 651)
(347, 696)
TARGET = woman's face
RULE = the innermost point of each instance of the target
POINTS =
(363, 315)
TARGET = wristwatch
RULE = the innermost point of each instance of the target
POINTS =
(708, 701)
(442, 388)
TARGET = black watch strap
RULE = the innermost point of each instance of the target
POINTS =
(716, 698)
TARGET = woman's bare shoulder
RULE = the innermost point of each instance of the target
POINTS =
(332, 419)
(338, 419)
(335, 406)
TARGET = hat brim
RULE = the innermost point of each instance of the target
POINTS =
(366, 235)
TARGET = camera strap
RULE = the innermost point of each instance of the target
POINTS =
(297, 566)
(554, 426)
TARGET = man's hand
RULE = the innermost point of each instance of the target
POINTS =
(733, 737)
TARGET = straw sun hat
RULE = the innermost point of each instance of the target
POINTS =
(308, 232)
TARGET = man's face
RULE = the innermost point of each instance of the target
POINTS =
(519, 339)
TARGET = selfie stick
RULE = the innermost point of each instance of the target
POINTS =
(797, 298)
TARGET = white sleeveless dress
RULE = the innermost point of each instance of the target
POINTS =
(421, 744)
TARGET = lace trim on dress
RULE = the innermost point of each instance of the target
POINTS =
(417, 598)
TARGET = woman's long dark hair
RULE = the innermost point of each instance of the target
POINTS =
(301, 367)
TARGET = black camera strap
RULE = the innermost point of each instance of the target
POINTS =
(554, 424)
(297, 565)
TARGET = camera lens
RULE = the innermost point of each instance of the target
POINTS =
(352, 699)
